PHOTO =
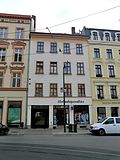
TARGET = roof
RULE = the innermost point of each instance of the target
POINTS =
(19, 16)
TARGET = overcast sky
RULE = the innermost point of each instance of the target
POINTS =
(52, 12)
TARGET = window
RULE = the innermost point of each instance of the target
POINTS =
(53, 47)
(68, 90)
(101, 112)
(109, 53)
(113, 90)
(14, 112)
(107, 36)
(79, 49)
(1, 79)
(53, 67)
(80, 68)
(39, 89)
(117, 120)
(67, 67)
(109, 121)
(95, 36)
(53, 90)
(66, 48)
(98, 70)
(19, 33)
(118, 37)
(3, 32)
(81, 90)
(40, 47)
(96, 53)
(2, 54)
(111, 71)
(39, 67)
(16, 80)
(119, 53)
(18, 55)
(100, 93)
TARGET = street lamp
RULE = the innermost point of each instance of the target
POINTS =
(64, 98)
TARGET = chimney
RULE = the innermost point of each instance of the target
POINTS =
(73, 30)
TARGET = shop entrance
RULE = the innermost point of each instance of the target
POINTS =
(58, 115)
(40, 117)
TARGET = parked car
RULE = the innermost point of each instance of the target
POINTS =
(3, 129)
(110, 125)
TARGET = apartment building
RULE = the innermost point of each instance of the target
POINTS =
(51, 55)
(104, 56)
(14, 57)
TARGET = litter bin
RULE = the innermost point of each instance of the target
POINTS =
(75, 128)
(70, 127)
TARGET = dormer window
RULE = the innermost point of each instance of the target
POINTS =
(117, 36)
(95, 36)
(107, 36)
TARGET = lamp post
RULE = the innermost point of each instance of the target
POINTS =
(64, 98)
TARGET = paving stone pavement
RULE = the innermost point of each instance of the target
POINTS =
(49, 131)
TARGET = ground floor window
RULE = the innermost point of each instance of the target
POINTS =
(1, 109)
(114, 111)
(81, 115)
(14, 112)
(101, 112)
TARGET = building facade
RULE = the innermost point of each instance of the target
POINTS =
(14, 57)
(104, 56)
(51, 55)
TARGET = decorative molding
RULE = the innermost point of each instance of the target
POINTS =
(18, 43)
(4, 43)
(3, 68)
(13, 89)
(16, 68)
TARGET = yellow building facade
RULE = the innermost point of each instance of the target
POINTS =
(104, 56)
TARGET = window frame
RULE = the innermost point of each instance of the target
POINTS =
(53, 90)
(66, 48)
(80, 68)
(100, 92)
(53, 68)
(53, 47)
(19, 33)
(40, 47)
(3, 33)
(39, 89)
(81, 90)
(68, 89)
(79, 49)
(39, 67)
(16, 80)
(18, 56)
(2, 55)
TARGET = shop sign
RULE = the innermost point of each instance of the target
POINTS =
(71, 101)
(111, 102)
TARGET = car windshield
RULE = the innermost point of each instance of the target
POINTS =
(101, 120)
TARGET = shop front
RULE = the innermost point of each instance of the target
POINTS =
(105, 109)
(39, 116)
(1, 110)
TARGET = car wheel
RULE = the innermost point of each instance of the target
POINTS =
(101, 132)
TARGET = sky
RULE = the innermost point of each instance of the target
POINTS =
(55, 14)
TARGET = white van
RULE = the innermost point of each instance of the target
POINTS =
(110, 125)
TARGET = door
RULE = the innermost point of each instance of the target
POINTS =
(117, 124)
(110, 125)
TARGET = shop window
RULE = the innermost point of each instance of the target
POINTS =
(101, 113)
(14, 113)
(1, 109)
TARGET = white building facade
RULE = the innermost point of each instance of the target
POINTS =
(49, 54)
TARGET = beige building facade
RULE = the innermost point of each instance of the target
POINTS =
(14, 58)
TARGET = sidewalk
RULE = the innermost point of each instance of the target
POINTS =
(49, 131)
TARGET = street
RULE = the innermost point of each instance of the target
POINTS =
(72, 147)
